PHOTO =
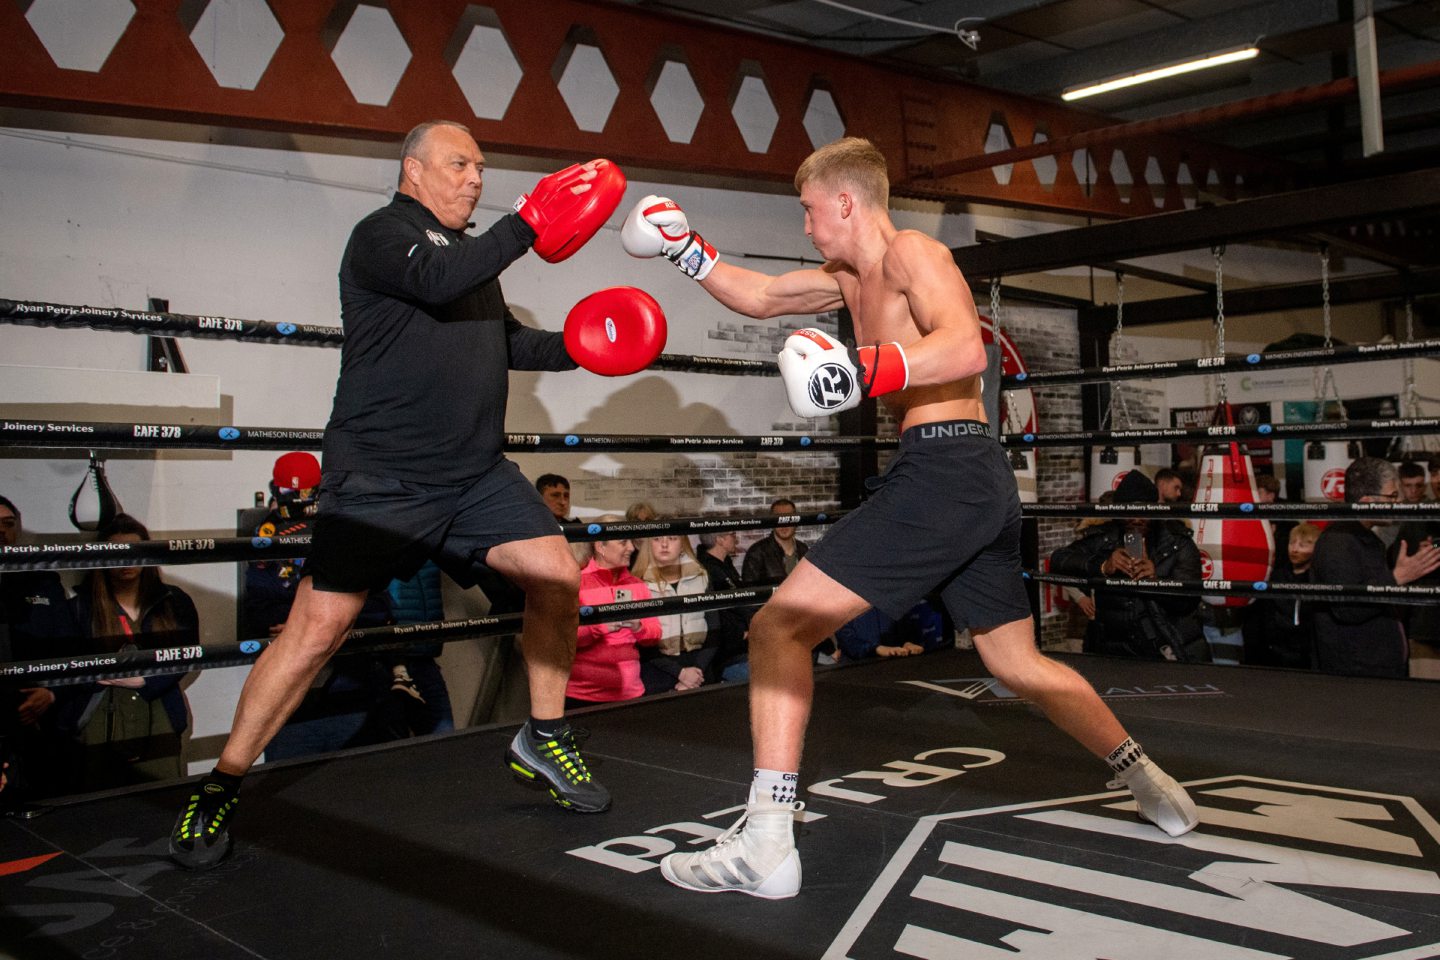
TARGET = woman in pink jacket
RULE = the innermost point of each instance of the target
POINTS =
(607, 658)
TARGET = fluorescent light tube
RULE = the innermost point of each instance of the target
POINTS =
(1160, 73)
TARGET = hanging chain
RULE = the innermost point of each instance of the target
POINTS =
(1220, 380)
(1412, 396)
(1325, 293)
(1327, 385)
(1117, 391)
(995, 307)
(997, 331)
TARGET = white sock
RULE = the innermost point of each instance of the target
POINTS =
(1125, 756)
(775, 785)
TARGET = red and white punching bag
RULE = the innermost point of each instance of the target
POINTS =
(1108, 467)
(1017, 412)
(1325, 463)
(1231, 549)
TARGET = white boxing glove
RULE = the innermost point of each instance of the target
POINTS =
(823, 377)
(657, 227)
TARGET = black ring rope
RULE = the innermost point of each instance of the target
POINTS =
(86, 668)
(1230, 363)
(164, 324)
(1315, 430)
(1429, 510)
(1411, 593)
(187, 550)
(93, 435)
(179, 551)
(158, 323)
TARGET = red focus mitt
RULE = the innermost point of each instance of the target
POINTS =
(564, 220)
(615, 331)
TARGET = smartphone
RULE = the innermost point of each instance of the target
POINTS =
(622, 594)
(1135, 543)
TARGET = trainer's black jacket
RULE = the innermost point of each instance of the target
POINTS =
(428, 341)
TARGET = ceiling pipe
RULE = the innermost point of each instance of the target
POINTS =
(1390, 81)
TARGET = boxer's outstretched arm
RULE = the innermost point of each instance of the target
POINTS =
(762, 296)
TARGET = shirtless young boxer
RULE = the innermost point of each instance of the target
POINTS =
(947, 503)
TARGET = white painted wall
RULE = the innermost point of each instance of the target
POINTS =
(257, 233)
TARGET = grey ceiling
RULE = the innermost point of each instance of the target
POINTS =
(1041, 47)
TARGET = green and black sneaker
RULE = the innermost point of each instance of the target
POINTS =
(555, 763)
(201, 838)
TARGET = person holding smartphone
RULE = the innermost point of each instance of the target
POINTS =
(1126, 624)
(607, 655)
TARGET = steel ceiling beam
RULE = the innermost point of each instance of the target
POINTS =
(1249, 301)
(1391, 81)
(1300, 211)
(155, 71)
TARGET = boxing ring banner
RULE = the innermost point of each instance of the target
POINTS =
(1322, 429)
(191, 549)
(92, 435)
(1418, 594)
(189, 436)
(1230, 363)
(77, 316)
(1429, 510)
(69, 316)
(86, 668)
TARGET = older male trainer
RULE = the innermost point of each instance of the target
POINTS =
(413, 453)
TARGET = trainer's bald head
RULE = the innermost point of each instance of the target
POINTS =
(417, 142)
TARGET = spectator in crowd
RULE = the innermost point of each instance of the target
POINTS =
(32, 606)
(682, 659)
(1412, 482)
(419, 701)
(770, 560)
(874, 634)
(1083, 601)
(1267, 488)
(732, 624)
(1352, 637)
(1281, 633)
(127, 730)
(1127, 623)
(344, 706)
(1169, 485)
(555, 491)
(1422, 621)
(639, 512)
(607, 658)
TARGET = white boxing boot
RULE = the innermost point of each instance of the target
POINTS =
(756, 856)
(1158, 798)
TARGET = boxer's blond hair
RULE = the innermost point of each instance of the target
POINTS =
(850, 162)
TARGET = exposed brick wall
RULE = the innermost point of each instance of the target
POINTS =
(1049, 339)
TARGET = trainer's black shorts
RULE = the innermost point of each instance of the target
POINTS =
(945, 515)
(370, 530)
